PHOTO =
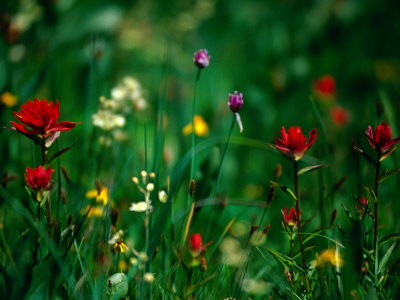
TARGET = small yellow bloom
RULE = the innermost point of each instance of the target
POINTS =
(328, 256)
(95, 211)
(200, 127)
(120, 246)
(8, 99)
(100, 197)
(122, 265)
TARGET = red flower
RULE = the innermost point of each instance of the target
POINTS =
(325, 87)
(339, 115)
(381, 139)
(196, 246)
(38, 179)
(293, 143)
(40, 117)
(290, 219)
(363, 201)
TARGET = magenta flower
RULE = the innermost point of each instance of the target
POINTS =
(201, 58)
(235, 102)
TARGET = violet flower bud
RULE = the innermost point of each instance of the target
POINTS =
(235, 102)
(201, 58)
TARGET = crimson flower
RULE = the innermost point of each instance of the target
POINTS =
(325, 87)
(381, 139)
(294, 144)
(40, 118)
(38, 179)
(196, 246)
(290, 219)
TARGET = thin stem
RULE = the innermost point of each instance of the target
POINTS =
(219, 175)
(376, 205)
(296, 190)
(37, 237)
(291, 247)
(192, 164)
(43, 146)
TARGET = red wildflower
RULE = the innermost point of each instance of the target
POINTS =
(363, 201)
(38, 179)
(339, 115)
(196, 246)
(40, 117)
(381, 139)
(293, 143)
(325, 87)
(290, 219)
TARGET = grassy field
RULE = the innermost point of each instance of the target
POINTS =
(199, 149)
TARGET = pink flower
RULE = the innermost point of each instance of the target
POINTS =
(201, 58)
(294, 143)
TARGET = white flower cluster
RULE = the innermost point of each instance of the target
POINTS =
(146, 190)
(111, 115)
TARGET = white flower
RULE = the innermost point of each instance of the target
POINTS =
(107, 120)
(140, 206)
(162, 196)
(118, 235)
(148, 277)
(118, 93)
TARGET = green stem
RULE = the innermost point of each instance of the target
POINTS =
(192, 164)
(219, 176)
(296, 190)
(37, 237)
(376, 213)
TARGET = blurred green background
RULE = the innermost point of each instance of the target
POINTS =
(271, 51)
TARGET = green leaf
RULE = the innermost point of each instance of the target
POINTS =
(59, 153)
(116, 287)
(386, 257)
(388, 238)
(387, 175)
(371, 193)
(310, 168)
(285, 189)
(366, 156)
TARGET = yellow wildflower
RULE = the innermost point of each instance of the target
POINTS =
(328, 256)
(95, 211)
(8, 99)
(200, 127)
(120, 246)
(101, 196)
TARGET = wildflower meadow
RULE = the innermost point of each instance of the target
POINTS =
(204, 149)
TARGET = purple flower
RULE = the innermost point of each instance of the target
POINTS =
(235, 102)
(201, 58)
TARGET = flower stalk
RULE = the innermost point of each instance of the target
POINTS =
(296, 191)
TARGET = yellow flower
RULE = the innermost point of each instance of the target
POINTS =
(8, 99)
(120, 246)
(100, 197)
(95, 211)
(200, 127)
(328, 256)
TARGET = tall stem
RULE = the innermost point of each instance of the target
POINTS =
(47, 200)
(219, 175)
(192, 164)
(376, 205)
(37, 237)
(296, 191)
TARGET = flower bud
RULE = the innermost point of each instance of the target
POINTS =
(150, 187)
(162, 196)
(201, 58)
(235, 102)
(148, 277)
(135, 180)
